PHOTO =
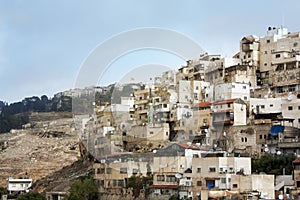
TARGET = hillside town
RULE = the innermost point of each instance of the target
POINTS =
(191, 133)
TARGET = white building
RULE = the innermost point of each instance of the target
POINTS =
(232, 90)
(265, 105)
(291, 109)
(18, 185)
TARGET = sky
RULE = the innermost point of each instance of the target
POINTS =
(43, 44)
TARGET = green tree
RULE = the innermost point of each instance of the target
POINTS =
(83, 188)
(138, 183)
(31, 196)
(3, 191)
(273, 164)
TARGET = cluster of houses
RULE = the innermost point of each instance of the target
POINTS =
(195, 130)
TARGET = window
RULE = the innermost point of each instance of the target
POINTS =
(197, 88)
(234, 185)
(160, 178)
(108, 170)
(298, 183)
(245, 98)
(277, 55)
(268, 41)
(151, 132)
(262, 106)
(120, 183)
(134, 171)
(123, 170)
(292, 88)
(246, 139)
(170, 178)
(244, 87)
(271, 105)
(228, 105)
(290, 107)
(233, 86)
(101, 171)
(223, 180)
(260, 137)
(298, 107)
(212, 169)
(199, 183)
(299, 120)
(242, 139)
(265, 136)
(198, 170)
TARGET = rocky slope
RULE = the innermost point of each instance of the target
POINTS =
(46, 145)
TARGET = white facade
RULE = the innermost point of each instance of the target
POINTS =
(291, 109)
(129, 101)
(18, 185)
(265, 106)
(231, 91)
(184, 92)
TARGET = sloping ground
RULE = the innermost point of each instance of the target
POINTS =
(39, 151)
(60, 180)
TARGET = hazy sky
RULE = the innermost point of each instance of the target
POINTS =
(44, 43)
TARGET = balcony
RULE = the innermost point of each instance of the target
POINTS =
(142, 101)
(286, 60)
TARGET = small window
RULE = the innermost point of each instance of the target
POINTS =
(262, 106)
(198, 170)
(108, 170)
(271, 105)
(151, 132)
(233, 86)
(299, 120)
(242, 139)
(246, 139)
(234, 185)
(245, 98)
(212, 169)
(260, 137)
(265, 136)
(199, 183)
(277, 55)
(160, 178)
(298, 107)
(290, 107)
(123, 170)
(134, 171)
(244, 87)
(223, 180)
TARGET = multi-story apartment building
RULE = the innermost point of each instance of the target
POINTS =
(279, 60)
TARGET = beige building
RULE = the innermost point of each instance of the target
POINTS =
(112, 171)
(214, 173)
(249, 184)
(291, 109)
(279, 60)
(229, 112)
(296, 176)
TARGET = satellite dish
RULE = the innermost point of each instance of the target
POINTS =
(154, 151)
(266, 149)
(178, 175)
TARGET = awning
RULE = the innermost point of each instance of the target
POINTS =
(163, 186)
(276, 129)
